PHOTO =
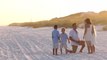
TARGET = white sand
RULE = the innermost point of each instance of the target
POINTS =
(22, 43)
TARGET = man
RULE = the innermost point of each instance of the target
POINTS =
(75, 41)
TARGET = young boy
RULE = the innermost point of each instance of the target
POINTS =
(64, 38)
(55, 38)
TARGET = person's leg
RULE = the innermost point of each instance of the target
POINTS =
(83, 45)
(66, 51)
(74, 48)
(89, 49)
(56, 51)
(53, 51)
(57, 48)
(93, 48)
(88, 46)
(61, 46)
(61, 50)
(65, 46)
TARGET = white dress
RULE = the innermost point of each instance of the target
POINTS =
(89, 36)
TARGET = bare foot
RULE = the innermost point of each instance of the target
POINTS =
(80, 51)
(89, 52)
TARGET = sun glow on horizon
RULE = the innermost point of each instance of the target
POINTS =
(36, 10)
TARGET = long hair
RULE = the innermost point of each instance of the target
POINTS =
(88, 21)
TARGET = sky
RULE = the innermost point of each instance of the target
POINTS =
(36, 10)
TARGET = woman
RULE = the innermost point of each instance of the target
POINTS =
(89, 36)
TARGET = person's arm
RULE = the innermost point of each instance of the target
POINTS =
(52, 35)
(85, 31)
(58, 35)
(68, 38)
(72, 39)
(93, 29)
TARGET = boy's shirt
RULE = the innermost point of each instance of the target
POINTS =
(55, 36)
(63, 37)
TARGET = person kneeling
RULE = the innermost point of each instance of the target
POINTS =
(75, 41)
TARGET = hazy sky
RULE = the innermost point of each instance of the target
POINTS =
(35, 10)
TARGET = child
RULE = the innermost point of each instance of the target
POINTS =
(55, 38)
(63, 37)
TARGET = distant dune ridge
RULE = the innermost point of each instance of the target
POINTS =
(97, 19)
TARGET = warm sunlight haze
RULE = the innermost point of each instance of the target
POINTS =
(53, 29)
(35, 10)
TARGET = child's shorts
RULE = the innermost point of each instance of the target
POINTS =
(55, 45)
(63, 45)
